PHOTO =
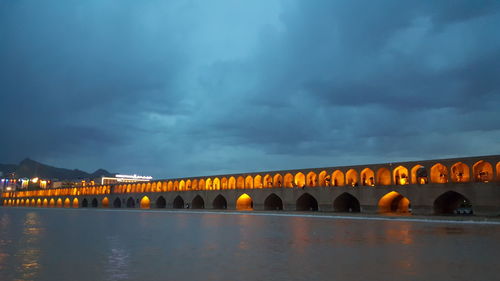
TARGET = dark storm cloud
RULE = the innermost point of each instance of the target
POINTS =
(199, 87)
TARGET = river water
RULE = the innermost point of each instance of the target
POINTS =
(80, 244)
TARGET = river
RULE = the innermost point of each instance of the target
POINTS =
(89, 244)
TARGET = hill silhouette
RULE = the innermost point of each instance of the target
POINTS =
(29, 169)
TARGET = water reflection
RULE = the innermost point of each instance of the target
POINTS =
(29, 248)
(118, 260)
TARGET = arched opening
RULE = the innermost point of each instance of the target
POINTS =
(288, 180)
(273, 203)
(94, 203)
(268, 181)
(394, 202)
(400, 174)
(249, 182)
(244, 203)
(198, 202)
(178, 203)
(76, 204)
(460, 172)
(439, 173)
(145, 203)
(208, 184)
(52, 203)
(240, 183)
(498, 171)
(452, 203)
(306, 202)
(383, 176)
(130, 202)
(419, 175)
(300, 179)
(85, 203)
(323, 179)
(277, 180)
(161, 202)
(189, 184)
(223, 183)
(483, 171)
(182, 185)
(147, 188)
(117, 203)
(33, 202)
(367, 177)
(38, 202)
(176, 185)
(45, 202)
(232, 183)
(219, 202)
(312, 179)
(104, 202)
(194, 185)
(67, 203)
(257, 181)
(170, 185)
(351, 177)
(338, 178)
(346, 203)
(201, 184)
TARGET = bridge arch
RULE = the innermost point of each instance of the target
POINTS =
(38, 202)
(400, 175)
(244, 203)
(67, 202)
(76, 203)
(219, 202)
(85, 203)
(277, 180)
(189, 184)
(367, 177)
(130, 202)
(452, 202)
(194, 184)
(483, 171)
(257, 181)
(498, 171)
(312, 179)
(178, 202)
(393, 202)
(232, 183)
(45, 202)
(439, 173)
(161, 203)
(346, 203)
(208, 184)
(223, 183)
(198, 202)
(268, 181)
(52, 202)
(94, 203)
(323, 179)
(216, 184)
(419, 174)
(117, 203)
(249, 182)
(383, 176)
(104, 202)
(145, 203)
(338, 178)
(300, 179)
(201, 184)
(240, 183)
(460, 172)
(351, 177)
(306, 202)
(273, 202)
(182, 185)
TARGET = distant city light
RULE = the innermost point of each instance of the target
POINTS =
(134, 176)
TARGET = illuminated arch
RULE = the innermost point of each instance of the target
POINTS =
(460, 172)
(277, 180)
(367, 177)
(288, 180)
(164, 186)
(178, 203)
(130, 202)
(182, 185)
(483, 171)
(351, 177)
(143, 187)
(52, 202)
(194, 184)
(145, 203)
(208, 184)
(346, 203)
(170, 185)
(244, 203)
(117, 203)
(232, 183)
(273, 203)
(67, 203)
(216, 184)
(419, 175)
(257, 181)
(439, 173)
(240, 183)
(312, 179)
(153, 187)
(161, 202)
(76, 204)
(323, 179)
(337, 178)
(45, 202)
(223, 183)
(300, 179)
(498, 171)
(38, 202)
(189, 185)
(400, 175)
(176, 185)
(383, 176)
(452, 202)
(306, 202)
(268, 181)
(105, 202)
(393, 202)
(147, 188)
(198, 202)
(249, 182)
(219, 202)
(33, 202)
(201, 184)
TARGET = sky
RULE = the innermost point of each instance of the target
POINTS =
(192, 88)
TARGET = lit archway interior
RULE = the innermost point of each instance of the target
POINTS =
(300, 180)
(419, 175)
(244, 203)
(161, 202)
(240, 183)
(198, 202)
(51, 202)
(311, 179)
(337, 178)
(145, 203)
(306, 202)
(393, 202)
(67, 203)
(439, 173)
(383, 176)
(346, 203)
(268, 181)
(288, 180)
(38, 202)
(273, 203)
(460, 172)
(351, 177)
(76, 204)
(367, 177)
(323, 179)
(45, 202)
(219, 202)
(178, 203)
(450, 202)
(483, 171)
(401, 175)
(277, 180)
(104, 202)
(257, 181)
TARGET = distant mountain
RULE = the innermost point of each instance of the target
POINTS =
(29, 169)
